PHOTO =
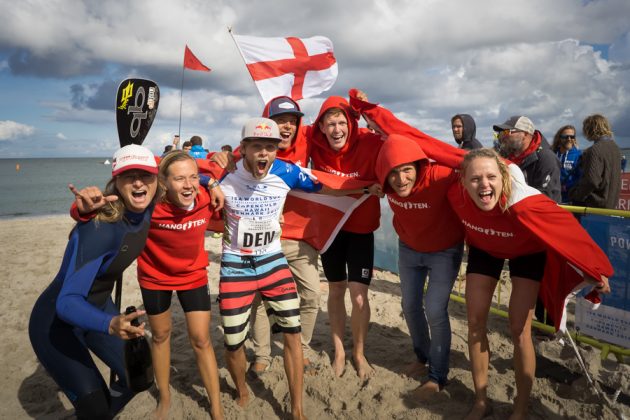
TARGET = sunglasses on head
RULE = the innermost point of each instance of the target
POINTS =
(567, 136)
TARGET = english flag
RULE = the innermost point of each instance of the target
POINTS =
(192, 62)
(294, 67)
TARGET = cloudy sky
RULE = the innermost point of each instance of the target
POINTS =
(61, 62)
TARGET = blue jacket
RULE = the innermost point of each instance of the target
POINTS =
(198, 152)
(569, 170)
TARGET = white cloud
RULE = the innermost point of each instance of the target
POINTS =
(10, 130)
(61, 136)
(428, 60)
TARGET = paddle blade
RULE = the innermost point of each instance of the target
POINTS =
(136, 105)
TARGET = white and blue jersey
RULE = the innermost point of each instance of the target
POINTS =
(253, 206)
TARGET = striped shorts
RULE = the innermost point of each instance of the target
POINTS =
(241, 278)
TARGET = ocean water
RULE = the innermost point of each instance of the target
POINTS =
(40, 186)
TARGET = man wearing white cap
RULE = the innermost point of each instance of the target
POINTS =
(521, 143)
(524, 145)
(252, 258)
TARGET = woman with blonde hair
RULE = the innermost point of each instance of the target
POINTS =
(600, 183)
(75, 315)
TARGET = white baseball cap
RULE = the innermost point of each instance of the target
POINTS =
(133, 156)
(261, 128)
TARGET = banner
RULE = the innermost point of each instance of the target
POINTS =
(624, 196)
(611, 321)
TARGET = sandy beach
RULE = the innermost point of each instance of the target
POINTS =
(30, 255)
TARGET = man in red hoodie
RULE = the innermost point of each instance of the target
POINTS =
(339, 147)
(431, 240)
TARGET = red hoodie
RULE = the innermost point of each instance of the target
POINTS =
(424, 220)
(357, 159)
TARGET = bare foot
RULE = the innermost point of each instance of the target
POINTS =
(298, 416)
(425, 391)
(163, 407)
(520, 410)
(416, 370)
(339, 364)
(364, 370)
(309, 368)
(480, 410)
(216, 414)
(243, 399)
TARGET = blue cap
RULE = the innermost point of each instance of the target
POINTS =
(284, 105)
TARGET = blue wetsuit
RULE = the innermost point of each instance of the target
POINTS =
(73, 314)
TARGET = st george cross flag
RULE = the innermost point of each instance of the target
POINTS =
(294, 67)
(191, 62)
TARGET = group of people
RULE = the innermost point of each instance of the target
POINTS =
(441, 196)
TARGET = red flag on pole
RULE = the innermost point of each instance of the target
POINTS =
(191, 62)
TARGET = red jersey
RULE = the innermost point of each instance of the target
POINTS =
(174, 257)
(424, 220)
(357, 159)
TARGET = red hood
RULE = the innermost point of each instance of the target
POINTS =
(398, 150)
(319, 139)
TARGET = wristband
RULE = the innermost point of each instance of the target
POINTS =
(366, 190)
(213, 185)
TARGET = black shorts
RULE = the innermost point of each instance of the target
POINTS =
(354, 250)
(530, 266)
(159, 301)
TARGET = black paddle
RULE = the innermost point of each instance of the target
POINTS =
(136, 105)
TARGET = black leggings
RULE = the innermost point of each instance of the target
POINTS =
(64, 351)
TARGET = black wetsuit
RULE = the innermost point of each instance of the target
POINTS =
(73, 314)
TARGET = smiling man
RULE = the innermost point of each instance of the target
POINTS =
(340, 147)
(430, 241)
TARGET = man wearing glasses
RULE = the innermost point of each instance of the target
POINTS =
(521, 143)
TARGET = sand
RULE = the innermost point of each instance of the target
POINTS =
(30, 255)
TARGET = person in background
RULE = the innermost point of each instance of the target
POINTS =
(167, 149)
(600, 183)
(226, 148)
(565, 146)
(520, 142)
(75, 316)
(186, 146)
(197, 151)
(464, 131)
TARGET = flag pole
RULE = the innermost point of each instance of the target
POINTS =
(181, 96)
(245, 62)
